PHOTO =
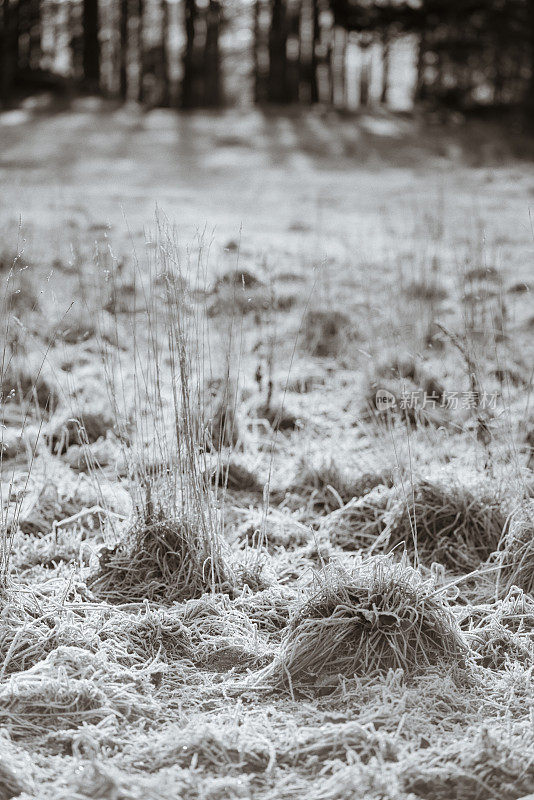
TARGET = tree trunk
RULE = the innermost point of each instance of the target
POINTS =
(188, 79)
(212, 68)
(91, 46)
(23, 35)
(123, 54)
(314, 88)
(386, 64)
(421, 87)
(277, 85)
(5, 54)
(9, 50)
(528, 104)
(35, 34)
(257, 45)
(29, 35)
(293, 53)
(165, 83)
(140, 51)
(364, 75)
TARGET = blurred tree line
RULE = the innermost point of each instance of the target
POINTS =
(205, 53)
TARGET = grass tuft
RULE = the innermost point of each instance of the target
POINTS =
(449, 523)
(381, 616)
(358, 524)
(167, 560)
(328, 487)
(516, 555)
(326, 333)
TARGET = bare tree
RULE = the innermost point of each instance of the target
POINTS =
(386, 51)
(123, 49)
(277, 82)
(140, 51)
(188, 79)
(8, 49)
(165, 100)
(91, 45)
(211, 66)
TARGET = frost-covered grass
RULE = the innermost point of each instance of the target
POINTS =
(225, 572)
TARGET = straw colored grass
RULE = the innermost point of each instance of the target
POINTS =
(381, 616)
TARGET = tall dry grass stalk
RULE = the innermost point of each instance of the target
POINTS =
(25, 399)
(161, 410)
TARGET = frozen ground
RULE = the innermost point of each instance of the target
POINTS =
(370, 254)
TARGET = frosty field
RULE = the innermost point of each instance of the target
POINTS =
(267, 452)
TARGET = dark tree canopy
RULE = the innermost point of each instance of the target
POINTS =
(468, 54)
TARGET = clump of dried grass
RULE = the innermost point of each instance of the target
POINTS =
(42, 507)
(224, 636)
(70, 687)
(274, 530)
(221, 748)
(155, 634)
(399, 394)
(516, 611)
(326, 333)
(83, 429)
(358, 524)
(339, 741)
(26, 636)
(133, 640)
(328, 487)
(163, 559)
(174, 549)
(19, 385)
(496, 646)
(381, 616)
(278, 417)
(238, 278)
(477, 767)
(516, 552)
(219, 415)
(235, 476)
(455, 525)
(270, 609)
(425, 291)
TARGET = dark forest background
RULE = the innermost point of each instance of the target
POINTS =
(458, 54)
